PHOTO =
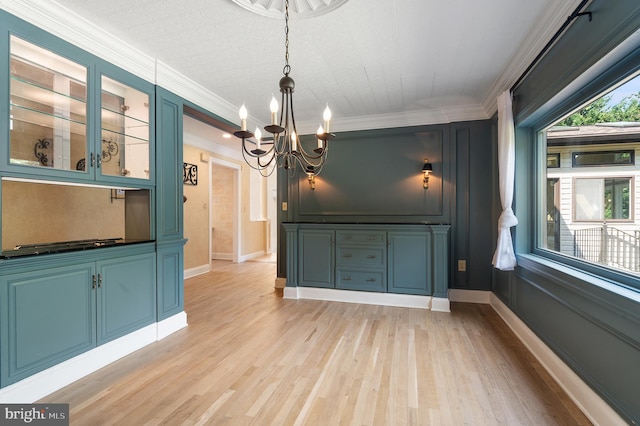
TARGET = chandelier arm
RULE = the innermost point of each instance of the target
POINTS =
(251, 154)
(260, 166)
(305, 164)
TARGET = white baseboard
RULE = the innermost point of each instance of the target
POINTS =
(222, 256)
(170, 325)
(440, 304)
(250, 256)
(41, 384)
(198, 270)
(364, 297)
(594, 407)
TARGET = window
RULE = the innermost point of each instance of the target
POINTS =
(589, 210)
(598, 199)
(603, 158)
(553, 160)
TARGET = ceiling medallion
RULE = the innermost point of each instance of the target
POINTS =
(299, 8)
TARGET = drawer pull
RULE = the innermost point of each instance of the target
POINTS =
(346, 255)
(371, 280)
(371, 256)
(372, 237)
(347, 237)
(347, 279)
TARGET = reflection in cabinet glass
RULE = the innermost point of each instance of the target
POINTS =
(125, 131)
(48, 108)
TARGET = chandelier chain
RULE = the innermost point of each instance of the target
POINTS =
(287, 67)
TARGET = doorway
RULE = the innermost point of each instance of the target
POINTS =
(224, 198)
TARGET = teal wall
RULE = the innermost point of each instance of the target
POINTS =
(590, 320)
(374, 176)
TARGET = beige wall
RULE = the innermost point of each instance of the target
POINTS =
(39, 213)
(196, 210)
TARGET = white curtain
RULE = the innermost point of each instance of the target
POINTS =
(504, 257)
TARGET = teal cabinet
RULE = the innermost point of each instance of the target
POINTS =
(70, 118)
(408, 259)
(361, 260)
(66, 124)
(170, 273)
(48, 315)
(126, 295)
(316, 258)
(410, 266)
(53, 314)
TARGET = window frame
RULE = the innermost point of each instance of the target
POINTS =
(531, 143)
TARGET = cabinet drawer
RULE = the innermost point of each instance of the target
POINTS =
(366, 280)
(361, 237)
(361, 256)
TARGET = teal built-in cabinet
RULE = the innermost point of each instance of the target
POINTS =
(62, 307)
(72, 120)
(383, 258)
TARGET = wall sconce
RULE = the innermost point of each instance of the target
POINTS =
(426, 169)
(311, 177)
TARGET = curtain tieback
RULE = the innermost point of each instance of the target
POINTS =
(507, 219)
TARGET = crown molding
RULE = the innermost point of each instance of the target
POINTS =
(172, 80)
(404, 119)
(69, 26)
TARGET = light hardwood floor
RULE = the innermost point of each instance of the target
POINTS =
(250, 357)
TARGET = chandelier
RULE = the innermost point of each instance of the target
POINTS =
(285, 149)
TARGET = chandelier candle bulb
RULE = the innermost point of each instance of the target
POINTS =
(243, 118)
(327, 118)
(258, 134)
(319, 133)
(294, 142)
(274, 110)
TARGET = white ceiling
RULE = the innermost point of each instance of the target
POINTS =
(378, 63)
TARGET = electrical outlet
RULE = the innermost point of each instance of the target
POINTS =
(284, 206)
(462, 265)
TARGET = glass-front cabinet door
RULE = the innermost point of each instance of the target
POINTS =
(125, 130)
(47, 109)
(77, 121)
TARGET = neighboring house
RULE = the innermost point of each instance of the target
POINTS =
(592, 190)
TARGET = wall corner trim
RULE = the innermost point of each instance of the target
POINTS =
(589, 402)
(440, 304)
(470, 296)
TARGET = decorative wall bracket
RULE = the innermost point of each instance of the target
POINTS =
(189, 174)
(42, 144)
